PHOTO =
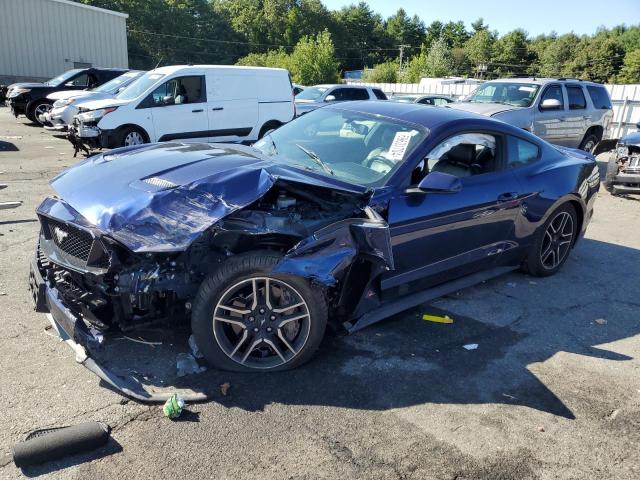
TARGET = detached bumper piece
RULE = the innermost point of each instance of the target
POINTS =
(83, 340)
(626, 183)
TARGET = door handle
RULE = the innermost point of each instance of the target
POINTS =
(217, 109)
(507, 197)
(198, 110)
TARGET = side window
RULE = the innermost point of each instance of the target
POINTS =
(553, 92)
(576, 98)
(354, 94)
(379, 94)
(178, 91)
(440, 101)
(81, 80)
(462, 155)
(599, 97)
(521, 152)
(426, 101)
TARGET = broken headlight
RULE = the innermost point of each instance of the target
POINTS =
(622, 151)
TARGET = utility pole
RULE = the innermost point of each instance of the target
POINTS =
(402, 47)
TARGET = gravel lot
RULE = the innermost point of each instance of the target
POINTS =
(553, 390)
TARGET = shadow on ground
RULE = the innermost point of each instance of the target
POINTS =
(405, 361)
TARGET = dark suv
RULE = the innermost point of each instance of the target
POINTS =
(30, 99)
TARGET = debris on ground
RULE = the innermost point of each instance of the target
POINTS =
(437, 318)
(173, 406)
(53, 443)
(186, 364)
(195, 351)
(470, 346)
(541, 429)
(224, 388)
(601, 321)
(141, 340)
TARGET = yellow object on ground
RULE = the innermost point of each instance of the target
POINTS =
(437, 319)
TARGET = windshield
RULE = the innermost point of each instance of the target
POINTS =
(113, 85)
(516, 94)
(140, 86)
(311, 93)
(354, 147)
(404, 99)
(60, 79)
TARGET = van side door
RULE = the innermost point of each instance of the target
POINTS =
(178, 109)
(232, 105)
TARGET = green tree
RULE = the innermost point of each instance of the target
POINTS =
(403, 30)
(630, 72)
(434, 63)
(512, 55)
(479, 48)
(313, 60)
(386, 72)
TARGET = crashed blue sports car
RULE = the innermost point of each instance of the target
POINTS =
(348, 214)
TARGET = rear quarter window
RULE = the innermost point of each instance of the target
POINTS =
(379, 94)
(599, 97)
(521, 152)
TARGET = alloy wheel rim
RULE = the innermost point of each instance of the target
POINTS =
(133, 138)
(41, 110)
(557, 241)
(261, 322)
(589, 146)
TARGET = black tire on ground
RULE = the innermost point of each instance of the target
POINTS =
(129, 135)
(266, 127)
(612, 171)
(589, 142)
(257, 264)
(31, 113)
(533, 264)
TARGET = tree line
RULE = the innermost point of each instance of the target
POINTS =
(317, 44)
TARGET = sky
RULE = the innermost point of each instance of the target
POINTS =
(536, 17)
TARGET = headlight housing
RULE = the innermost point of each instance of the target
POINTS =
(622, 151)
(94, 115)
(17, 91)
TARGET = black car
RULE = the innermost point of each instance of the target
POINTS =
(30, 99)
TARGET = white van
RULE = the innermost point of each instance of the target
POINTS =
(204, 103)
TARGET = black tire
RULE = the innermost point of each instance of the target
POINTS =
(126, 133)
(213, 338)
(534, 263)
(589, 142)
(271, 125)
(31, 113)
(612, 171)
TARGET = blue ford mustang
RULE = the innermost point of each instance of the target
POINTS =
(348, 214)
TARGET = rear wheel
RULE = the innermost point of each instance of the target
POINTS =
(246, 318)
(589, 142)
(553, 243)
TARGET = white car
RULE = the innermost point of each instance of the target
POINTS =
(66, 102)
(203, 103)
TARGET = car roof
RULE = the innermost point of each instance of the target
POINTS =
(542, 81)
(168, 70)
(341, 85)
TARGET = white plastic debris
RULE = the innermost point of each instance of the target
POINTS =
(194, 348)
(470, 346)
(186, 364)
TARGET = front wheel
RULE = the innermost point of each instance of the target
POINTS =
(553, 243)
(130, 136)
(37, 110)
(247, 318)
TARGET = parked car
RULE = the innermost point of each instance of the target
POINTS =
(436, 100)
(257, 248)
(319, 95)
(297, 89)
(195, 103)
(623, 169)
(66, 103)
(564, 111)
(30, 99)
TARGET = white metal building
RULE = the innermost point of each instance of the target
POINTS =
(39, 39)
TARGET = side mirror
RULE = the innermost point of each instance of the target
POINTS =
(330, 98)
(438, 182)
(168, 100)
(550, 104)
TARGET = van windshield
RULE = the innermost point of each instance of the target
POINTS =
(140, 86)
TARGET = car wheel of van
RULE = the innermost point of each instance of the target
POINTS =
(247, 318)
(589, 142)
(553, 242)
(40, 108)
(130, 136)
(267, 127)
(612, 171)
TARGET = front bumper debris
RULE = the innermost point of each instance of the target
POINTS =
(84, 341)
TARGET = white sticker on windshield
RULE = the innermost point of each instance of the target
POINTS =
(525, 88)
(399, 145)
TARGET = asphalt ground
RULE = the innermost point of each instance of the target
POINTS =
(552, 391)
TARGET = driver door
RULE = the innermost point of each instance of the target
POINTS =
(437, 237)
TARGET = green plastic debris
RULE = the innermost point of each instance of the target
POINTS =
(173, 406)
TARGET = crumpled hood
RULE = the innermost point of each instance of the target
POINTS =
(103, 103)
(161, 197)
(64, 94)
(487, 109)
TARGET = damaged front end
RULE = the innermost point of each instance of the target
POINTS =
(140, 262)
(623, 169)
